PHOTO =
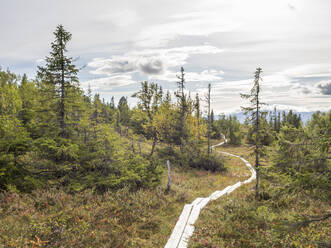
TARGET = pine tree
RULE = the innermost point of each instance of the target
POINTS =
(60, 72)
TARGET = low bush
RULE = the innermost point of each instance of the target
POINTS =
(209, 162)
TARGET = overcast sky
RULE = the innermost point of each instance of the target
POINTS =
(221, 42)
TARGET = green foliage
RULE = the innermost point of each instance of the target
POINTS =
(209, 162)
(266, 135)
(240, 221)
(303, 153)
(117, 218)
(291, 118)
(194, 155)
(14, 138)
(124, 111)
(230, 127)
(61, 74)
(51, 134)
(150, 98)
(255, 117)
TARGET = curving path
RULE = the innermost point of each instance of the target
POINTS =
(184, 227)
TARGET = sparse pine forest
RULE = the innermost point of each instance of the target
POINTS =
(79, 171)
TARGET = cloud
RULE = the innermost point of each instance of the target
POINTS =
(132, 41)
(160, 65)
(291, 7)
(156, 64)
(309, 71)
(204, 76)
(117, 64)
(148, 61)
(152, 66)
(198, 23)
(305, 90)
(40, 61)
(107, 84)
(325, 88)
(284, 89)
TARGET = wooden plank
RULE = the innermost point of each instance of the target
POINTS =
(184, 227)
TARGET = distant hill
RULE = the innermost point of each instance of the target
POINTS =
(305, 116)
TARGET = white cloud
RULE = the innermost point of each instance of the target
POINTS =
(184, 24)
(148, 61)
(309, 71)
(40, 61)
(138, 40)
(122, 18)
(283, 90)
(108, 83)
(156, 64)
(206, 75)
(190, 77)
(324, 87)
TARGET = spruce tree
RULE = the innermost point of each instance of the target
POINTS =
(254, 114)
(112, 103)
(275, 120)
(212, 118)
(124, 110)
(278, 122)
(209, 117)
(197, 112)
(167, 98)
(61, 73)
(182, 106)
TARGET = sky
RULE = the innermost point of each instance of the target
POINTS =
(119, 44)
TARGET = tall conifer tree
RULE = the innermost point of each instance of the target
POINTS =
(197, 112)
(60, 72)
(182, 105)
(209, 117)
(254, 116)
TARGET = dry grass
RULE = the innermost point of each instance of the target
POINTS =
(144, 218)
(238, 220)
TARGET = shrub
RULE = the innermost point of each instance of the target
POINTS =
(209, 162)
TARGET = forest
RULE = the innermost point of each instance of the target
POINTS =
(77, 170)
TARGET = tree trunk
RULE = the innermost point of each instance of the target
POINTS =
(154, 144)
(209, 119)
(85, 136)
(139, 145)
(132, 145)
(198, 117)
(257, 143)
(183, 106)
(62, 110)
(169, 179)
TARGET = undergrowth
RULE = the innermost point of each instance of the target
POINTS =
(122, 218)
(280, 217)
